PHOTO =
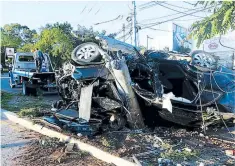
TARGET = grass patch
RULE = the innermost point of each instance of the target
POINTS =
(179, 155)
(30, 112)
(5, 98)
(106, 142)
(24, 105)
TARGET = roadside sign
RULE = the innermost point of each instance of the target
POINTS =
(9, 52)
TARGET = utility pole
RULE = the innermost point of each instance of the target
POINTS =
(124, 37)
(148, 41)
(134, 24)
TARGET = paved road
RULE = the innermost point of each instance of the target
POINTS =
(5, 84)
(6, 87)
(12, 135)
(13, 138)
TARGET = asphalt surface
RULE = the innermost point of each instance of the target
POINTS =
(13, 138)
(18, 89)
(5, 84)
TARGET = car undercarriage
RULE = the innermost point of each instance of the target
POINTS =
(194, 94)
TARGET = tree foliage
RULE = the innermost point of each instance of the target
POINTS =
(16, 36)
(58, 39)
(220, 22)
(56, 43)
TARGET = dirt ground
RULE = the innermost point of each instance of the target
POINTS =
(178, 145)
(160, 146)
(48, 151)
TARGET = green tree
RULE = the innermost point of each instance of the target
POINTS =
(57, 44)
(16, 36)
(220, 22)
(87, 34)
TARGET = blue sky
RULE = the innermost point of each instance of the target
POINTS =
(37, 14)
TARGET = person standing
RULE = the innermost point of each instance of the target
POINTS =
(38, 56)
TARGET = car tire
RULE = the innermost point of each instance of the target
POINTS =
(86, 52)
(34, 91)
(203, 61)
(25, 89)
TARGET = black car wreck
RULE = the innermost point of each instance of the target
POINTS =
(186, 93)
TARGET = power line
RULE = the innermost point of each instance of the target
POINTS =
(151, 4)
(120, 16)
(97, 11)
(189, 3)
(170, 15)
(178, 6)
(159, 29)
(145, 4)
(128, 33)
(83, 9)
(189, 19)
(157, 23)
(176, 10)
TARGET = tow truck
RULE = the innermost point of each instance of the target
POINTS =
(23, 72)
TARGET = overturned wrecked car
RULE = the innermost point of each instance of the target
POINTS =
(96, 95)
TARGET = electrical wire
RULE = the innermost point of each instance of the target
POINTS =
(157, 23)
(178, 10)
(158, 29)
(218, 108)
(146, 20)
(128, 33)
(151, 5)
(224, 45)
(203, 120)
(177, 6)
(97, 11)
(121, 30)
(83, 9)
(119, 16)
(194, 19)
(145, 4)
(219, 86)
(189, 3)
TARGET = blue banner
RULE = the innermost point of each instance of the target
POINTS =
(180, 39)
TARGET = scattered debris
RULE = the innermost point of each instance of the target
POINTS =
(128, 87)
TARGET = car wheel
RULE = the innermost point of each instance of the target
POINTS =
(25, 89)
(203, 60)
(87, 52)
(34, 91)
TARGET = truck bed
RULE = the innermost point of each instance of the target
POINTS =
(32, 74)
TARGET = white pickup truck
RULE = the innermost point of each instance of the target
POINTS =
(24, 73)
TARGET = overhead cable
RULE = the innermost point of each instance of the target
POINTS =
(178, 6)
(83, 9)
(159, 29)
(120, 16)
(170, 15)
(97, 11)
(189, 3)
(128, 33)
(147, 7)
(157, 23)
(177, 10)
(145, 4)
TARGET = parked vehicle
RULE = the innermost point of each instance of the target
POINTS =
(23, 72)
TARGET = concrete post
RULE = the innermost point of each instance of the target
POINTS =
(123, 81)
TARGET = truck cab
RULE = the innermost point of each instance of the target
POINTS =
(24, 73)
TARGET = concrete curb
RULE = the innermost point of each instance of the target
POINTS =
(97, 153)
